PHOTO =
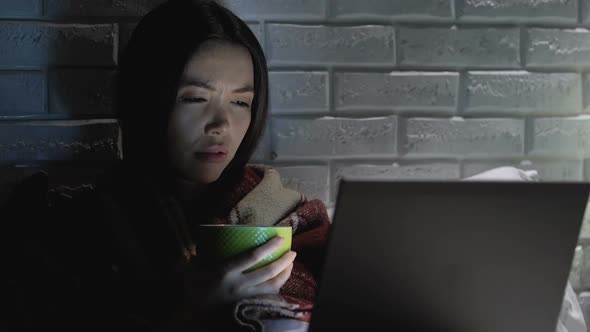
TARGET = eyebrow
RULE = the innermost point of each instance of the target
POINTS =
(191, 81)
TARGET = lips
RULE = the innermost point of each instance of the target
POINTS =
(213, 154)
(216, 149)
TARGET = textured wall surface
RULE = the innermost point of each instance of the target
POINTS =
(398, 88)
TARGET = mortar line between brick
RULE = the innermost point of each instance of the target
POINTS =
(522, 44)
(265, 42)
(461, 162)
(581, 7)
(116, 39)
(45, 72)
(400, 136)
(331, 171)
(330, 98)
(461, 93)
(528, 136)
(396, 48)
(583, 86)
(262, 30)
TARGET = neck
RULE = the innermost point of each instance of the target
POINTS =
(187, 191)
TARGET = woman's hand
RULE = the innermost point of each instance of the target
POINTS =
(228, 283)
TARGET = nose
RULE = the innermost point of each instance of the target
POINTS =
(218, 123)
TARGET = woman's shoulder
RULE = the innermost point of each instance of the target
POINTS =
(276, 180)
(263, 173)
(267, 178)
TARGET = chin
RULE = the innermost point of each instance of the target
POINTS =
(205, 177)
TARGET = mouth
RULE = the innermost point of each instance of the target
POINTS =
(213, 154)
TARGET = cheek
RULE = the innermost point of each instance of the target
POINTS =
(182, 128)
(177, 137)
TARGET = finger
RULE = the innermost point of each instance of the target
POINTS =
(269, 271)
(249, 258)
(272, 286)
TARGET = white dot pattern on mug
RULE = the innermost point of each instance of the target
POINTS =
(223, 243)
(261, 236)
(234, 239)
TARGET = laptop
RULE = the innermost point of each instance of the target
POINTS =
(449, 256)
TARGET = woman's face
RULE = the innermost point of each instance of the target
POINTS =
(212, 111)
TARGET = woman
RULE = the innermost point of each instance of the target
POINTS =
(192, 98)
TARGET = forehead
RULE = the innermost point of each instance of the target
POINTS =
(224, 62)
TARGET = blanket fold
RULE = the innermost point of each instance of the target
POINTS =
(261, 199)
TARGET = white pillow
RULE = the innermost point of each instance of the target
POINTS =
(505, 173)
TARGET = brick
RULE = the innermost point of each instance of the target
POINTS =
(41, 44)
(395, 8)
(312, 181)
(59, 140)
(586, 92)
(22, 93)
(548, 170)
(566, 136)
(465, 47)
(558, 170)
(93, 8)
(326, 44)
(20, 8)
(576, 270)
(404, 170)
(72, 174)
(521, 10)
(523, 92)
(585, 8)
(81, 92)
(549, 48)
(397, 90)
(301, 92)
(276, 8)
(457, 136)
(587, 170)
(324, 137)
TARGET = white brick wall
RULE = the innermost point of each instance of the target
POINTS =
(558, 48)
(360, 92)
(426, 89)
(397, 86)
(299, 92)
(522, 92)
(520, 10)
(452, 47)
(295, 44)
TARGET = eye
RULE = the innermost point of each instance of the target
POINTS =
(242, 104)
(192, 99)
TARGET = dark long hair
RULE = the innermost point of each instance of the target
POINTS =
(149, 74)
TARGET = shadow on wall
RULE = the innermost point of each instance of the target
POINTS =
(69, 131)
